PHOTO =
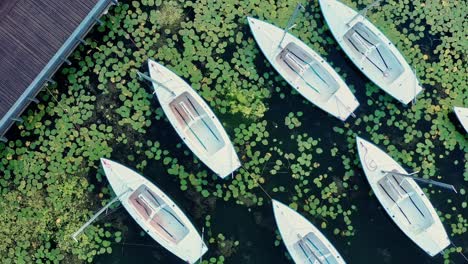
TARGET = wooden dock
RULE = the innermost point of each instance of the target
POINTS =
(36, 37)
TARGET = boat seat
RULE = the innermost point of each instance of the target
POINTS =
(314, 251)
(394, 190)
(155, 208)
(142, 208)
(188, 113)
(293, 62)
(166, 223)
(368, 50)
(194, 121)
(368, 47)
(145, 201)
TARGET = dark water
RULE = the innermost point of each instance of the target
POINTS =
(377, 239)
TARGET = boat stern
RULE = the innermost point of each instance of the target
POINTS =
(434, 239)
(345, 103)
(195, 249)
(225, 162)
(406, 88)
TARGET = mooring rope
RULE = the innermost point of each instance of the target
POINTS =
(461, 252)
(259, 185)
(256, 181)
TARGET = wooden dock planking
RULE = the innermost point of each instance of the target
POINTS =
(31, 33)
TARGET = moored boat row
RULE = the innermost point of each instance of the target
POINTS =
(312, 77)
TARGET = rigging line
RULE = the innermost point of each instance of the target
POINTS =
(401, 210)
(108, 214)
(311, 251)
(354, 45)
(305, 253)
(377, 48)
(154, 197)
(461, 252)
(290, 24)
(203, 120)
(259, 185)
(146, 210)
(191, 130)
(323, 255)
(203, 244)
(174, 216)
(300, 76)
(398, 183)
(310, 66)
(165, 230)
(363, 12)
(345, 106)
(318, 75)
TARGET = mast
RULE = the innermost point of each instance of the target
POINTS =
(96, 215)
(158, 84)
(363, 12)
(290, 24)
(426, 181)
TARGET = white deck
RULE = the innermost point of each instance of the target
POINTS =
(305, 243)
(156, 213)
(304, 70)
(371, 51)
(462, 115)
(194, 121)
(402, 198)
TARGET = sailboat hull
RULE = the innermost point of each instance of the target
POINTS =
(307, 72)
(305, 243)
(371, 51)
(402, 199)
(194, 121)
(462, 115)
(155, 212)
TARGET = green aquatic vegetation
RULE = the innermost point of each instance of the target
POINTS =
(460, 226)
(223, 246)
(103, 109)
(292, 120)
(46, 180)
(420, 31)
(169, 13)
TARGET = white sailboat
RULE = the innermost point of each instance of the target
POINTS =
(402, 198)
(371, 51)
(155, 212)
(305, 243)
(304, 69)
(194, 121)
(462, 115)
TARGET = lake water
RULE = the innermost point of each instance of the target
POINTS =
(377, 239)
